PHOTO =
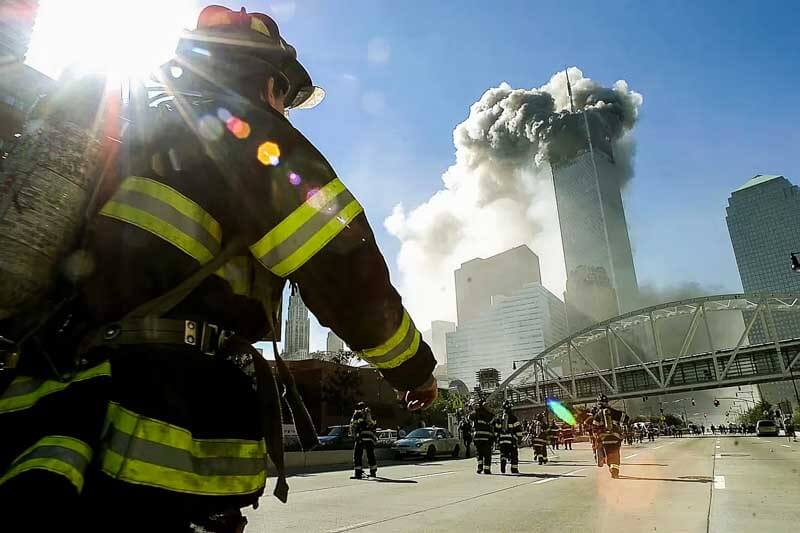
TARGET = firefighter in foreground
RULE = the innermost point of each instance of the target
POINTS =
(154, 428)
(362, 428)
(607, 426)
(483, 434)
(508, 429)
(540, 435)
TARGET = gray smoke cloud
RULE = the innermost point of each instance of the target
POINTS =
(499, 192)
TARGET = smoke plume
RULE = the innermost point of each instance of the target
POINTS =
(499, 192)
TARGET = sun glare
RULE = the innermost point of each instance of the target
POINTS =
(123, 38)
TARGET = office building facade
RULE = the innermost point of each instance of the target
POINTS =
(515, 327)
(762, 218)
(334, 343)
(478, 280)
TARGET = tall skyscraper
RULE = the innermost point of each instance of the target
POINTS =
(436, 337)
(334, 343)
(297, 328)
(589, 297)
(594, 233)
(515, 327)
(762, 219)
(478, 280)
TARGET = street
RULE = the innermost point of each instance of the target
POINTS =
(692, 484)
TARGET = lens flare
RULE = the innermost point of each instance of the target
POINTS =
(561, 412)
(269, 154)
(295, 179)
(239, 128)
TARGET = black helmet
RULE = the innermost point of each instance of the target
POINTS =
(602, 399)
(507, 405)
(361, 405)
(246, 43)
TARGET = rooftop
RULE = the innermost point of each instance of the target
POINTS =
(758, 179)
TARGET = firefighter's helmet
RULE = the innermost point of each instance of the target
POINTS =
(249, 42)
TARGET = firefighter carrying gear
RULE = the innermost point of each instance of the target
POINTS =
(607, 426)
(167, 420)
(362, 428)
(508, 429)
(540, 436)
(483, 430)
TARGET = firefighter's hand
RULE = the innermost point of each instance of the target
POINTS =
(421, 397)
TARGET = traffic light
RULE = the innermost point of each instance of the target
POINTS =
(716, 403)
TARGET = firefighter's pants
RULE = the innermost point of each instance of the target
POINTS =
(483, 451)
(510, 453)
(358, 455)
(611, 446)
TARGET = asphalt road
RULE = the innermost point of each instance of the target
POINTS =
(726, 484)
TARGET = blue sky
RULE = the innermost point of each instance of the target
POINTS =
(719, 81)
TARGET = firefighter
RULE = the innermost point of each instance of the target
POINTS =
(149, 423)
(483, 432)
(540, 435)
(567, 436)
(465, 432)
(362, 428)
(607, 423)
(508, 429)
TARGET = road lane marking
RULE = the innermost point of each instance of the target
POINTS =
(630, 456)
(657, 447)
(785, 445)
(718, 447)
(718, 456)
(430, 475)
(546, 480)
(719, 482)
(348, 528)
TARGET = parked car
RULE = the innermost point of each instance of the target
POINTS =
(428, 442)
(336, 438)
(766, 428)
(386, 437)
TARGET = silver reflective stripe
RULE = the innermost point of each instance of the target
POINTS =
(404, 345)
(178, 459)
(309, 229)
(65, 455)
(167, 213)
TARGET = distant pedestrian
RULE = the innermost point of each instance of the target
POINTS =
(465, 432)
(788, 428)
(702, 429)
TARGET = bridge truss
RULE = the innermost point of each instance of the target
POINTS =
(696, 344)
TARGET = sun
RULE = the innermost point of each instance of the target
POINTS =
(122, 38)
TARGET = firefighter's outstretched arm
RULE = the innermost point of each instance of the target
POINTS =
(322, 241)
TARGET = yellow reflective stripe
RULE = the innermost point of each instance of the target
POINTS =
(177, 437)
(10, 401)
(152, 475)
(157, 227)
(181, 203)
(318, 242)
(307, 230)
(400, 347)
(299, 216)
(145, 451)
(62, 455)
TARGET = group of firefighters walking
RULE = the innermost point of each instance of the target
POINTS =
(604, 425)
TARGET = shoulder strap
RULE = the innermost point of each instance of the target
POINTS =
(163, 304)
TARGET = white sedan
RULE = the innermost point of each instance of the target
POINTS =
(428, 442)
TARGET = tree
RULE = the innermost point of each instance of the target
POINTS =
(341, 387)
